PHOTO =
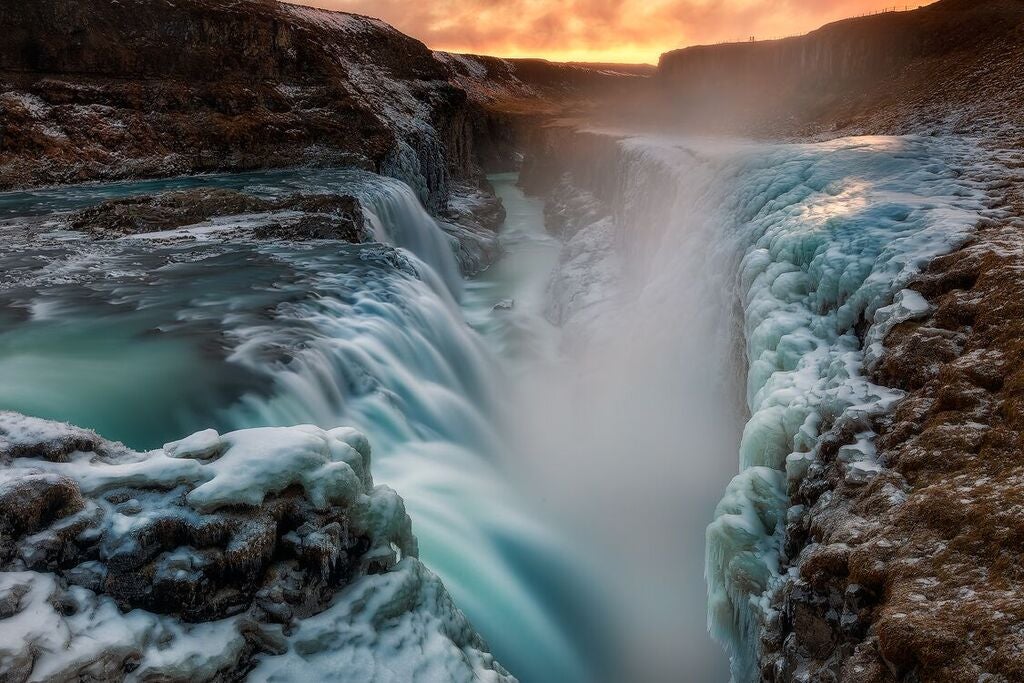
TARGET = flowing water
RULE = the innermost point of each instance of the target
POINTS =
(559, 477)
(145, 341)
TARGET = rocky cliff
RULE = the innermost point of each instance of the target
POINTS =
(102, 90)
(929, 69)
(910, 577)
(97, 90)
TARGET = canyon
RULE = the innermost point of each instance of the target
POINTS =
(804, 252)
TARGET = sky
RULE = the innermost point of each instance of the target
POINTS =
(598, 30)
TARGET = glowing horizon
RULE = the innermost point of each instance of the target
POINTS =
(618, 31)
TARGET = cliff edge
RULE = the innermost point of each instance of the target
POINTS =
(102, 90)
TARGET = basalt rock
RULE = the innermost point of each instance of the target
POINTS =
(473, 218)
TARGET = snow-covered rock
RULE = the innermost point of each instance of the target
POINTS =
(263, 552)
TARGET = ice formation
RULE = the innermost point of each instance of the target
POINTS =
(828, 241)
(822, 240)
(812, 245)
(266, 551)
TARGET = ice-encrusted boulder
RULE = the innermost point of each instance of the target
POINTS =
(264, 553)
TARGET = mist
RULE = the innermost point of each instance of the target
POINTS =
(625, 420)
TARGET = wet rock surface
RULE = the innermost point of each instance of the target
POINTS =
(474, 217)
(305, 216)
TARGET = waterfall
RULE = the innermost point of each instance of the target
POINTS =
(236, 334)
(793, 251)
(382, 346)
(715, 301)
(385, 349)
(398, 218)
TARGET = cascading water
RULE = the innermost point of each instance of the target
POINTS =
(231, 335)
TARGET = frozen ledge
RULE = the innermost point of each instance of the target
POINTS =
(263, 552)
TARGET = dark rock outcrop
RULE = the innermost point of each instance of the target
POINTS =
(473, 217)
(338, 217)
(98, 89)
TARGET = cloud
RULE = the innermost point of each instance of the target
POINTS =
(613, 30)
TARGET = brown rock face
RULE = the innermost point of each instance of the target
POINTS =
(916, 576)
(516, 97)
(92, 89)
(896, 72)
(97, 89)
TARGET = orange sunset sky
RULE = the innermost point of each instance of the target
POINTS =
(599, 30)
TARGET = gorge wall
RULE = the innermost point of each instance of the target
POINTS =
(875, 468)
(93, 90)
(903, 575)
(936, 68)
(101, 90)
